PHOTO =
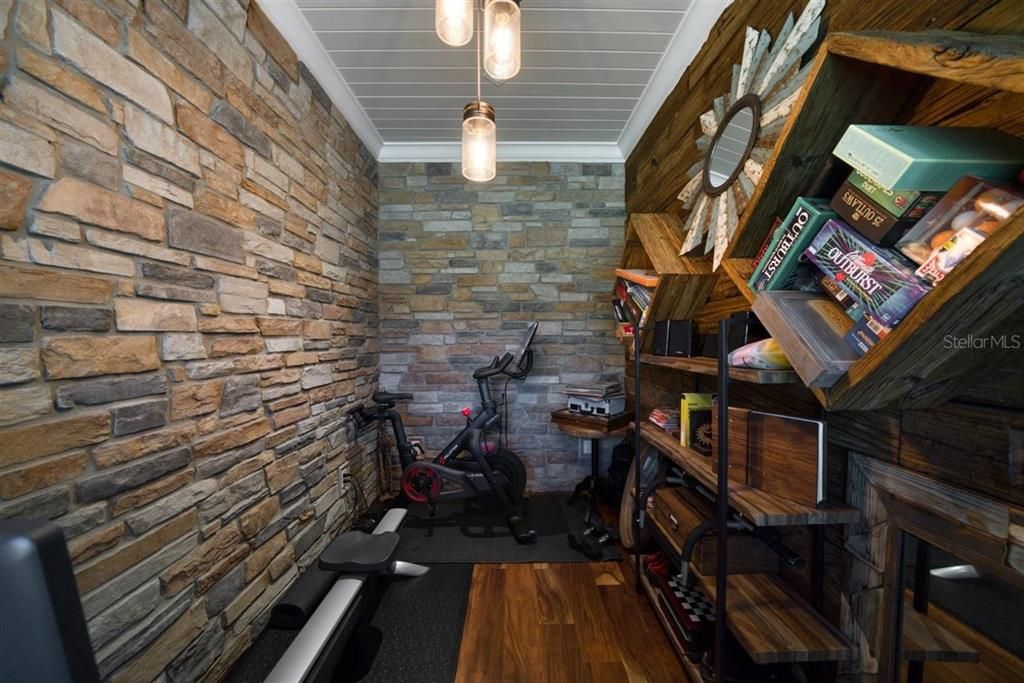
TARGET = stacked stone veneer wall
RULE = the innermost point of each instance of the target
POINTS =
(464, 267)
(189, 307)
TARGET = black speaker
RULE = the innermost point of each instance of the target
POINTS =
(673, 338)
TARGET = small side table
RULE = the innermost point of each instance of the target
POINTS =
(594, 428)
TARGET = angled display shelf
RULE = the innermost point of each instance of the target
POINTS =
(874, 77)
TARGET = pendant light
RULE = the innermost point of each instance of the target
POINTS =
(453, 21)
(502, 54)
(479, 135)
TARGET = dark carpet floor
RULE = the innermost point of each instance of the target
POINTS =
(416, 632)
(466, 533)
(413, 634)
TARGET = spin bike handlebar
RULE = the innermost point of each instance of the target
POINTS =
(497, 367)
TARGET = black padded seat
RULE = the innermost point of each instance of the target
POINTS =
(356, 552)
(388, 397)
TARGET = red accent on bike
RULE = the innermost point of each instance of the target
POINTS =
(418, 481)
(490, 448)
(466, 412)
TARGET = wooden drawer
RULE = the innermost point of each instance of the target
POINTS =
(677, 511)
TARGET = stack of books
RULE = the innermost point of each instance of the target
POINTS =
(632, 301)
(666, 418)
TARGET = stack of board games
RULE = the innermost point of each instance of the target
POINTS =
(875, 277)
(780, 267)
(695, 421)
(880, 214)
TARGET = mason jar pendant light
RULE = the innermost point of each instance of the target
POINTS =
(479, 135)
(502, 54)
(479, 142)
(453, 21)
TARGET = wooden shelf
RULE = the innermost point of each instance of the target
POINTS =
(774, 624)
(758, 507)
(925, 640)
(640, 276)
(739, 271)
(709, 366)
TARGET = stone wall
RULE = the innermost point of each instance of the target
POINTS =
(464, 268)
(189, 305)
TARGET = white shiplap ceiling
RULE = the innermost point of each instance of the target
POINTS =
(594, 73)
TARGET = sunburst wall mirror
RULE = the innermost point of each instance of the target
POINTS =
(740, 130)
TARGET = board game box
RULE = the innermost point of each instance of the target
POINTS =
(777, 268)
(868, 218)
(876, 277)
(900, 203)
(928, 157)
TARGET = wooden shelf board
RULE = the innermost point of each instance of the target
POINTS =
(989, 61)
(774, 624)
(758, 507)
(739, 271)
(709, 366)
(640, 276)
(925, 640)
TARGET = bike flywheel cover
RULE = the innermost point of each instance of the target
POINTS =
(413, 480)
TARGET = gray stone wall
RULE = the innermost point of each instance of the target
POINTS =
(464, 267)
(188, 308)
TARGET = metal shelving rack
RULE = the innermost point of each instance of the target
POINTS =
(722, 503)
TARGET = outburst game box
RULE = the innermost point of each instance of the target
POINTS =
(876, 277)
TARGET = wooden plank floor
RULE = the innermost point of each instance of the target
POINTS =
(562, 623)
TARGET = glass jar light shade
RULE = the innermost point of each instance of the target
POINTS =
(502, 55)
(479, 142)
(453, 21)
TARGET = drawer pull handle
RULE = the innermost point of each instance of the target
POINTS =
(675, 523)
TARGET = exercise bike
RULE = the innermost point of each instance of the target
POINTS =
(467, 468)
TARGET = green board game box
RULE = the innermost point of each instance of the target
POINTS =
(929, 157)
(799, 227)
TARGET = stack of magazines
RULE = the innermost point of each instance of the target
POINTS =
(666, 418)
(596, 390)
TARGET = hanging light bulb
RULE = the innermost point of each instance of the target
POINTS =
(479, 142)
(453, 21)
(502, 57)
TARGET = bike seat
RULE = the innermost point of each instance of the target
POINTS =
(388, 397)
(357, 552)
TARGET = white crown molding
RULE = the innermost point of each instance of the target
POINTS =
(595, 152)
(687, 41)
(289, 20)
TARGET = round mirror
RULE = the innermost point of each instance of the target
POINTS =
(732, 144)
